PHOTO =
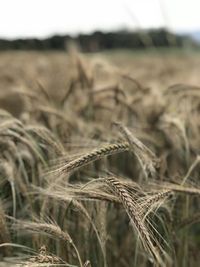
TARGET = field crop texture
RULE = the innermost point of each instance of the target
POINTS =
(99, 159)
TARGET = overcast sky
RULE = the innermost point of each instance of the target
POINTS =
(41, 18)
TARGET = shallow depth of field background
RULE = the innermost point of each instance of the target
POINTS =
(100, 139)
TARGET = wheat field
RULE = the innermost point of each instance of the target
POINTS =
(99, 161)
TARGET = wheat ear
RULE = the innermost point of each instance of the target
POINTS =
(132, 209)
(92, 156)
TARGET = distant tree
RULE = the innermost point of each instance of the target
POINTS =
(99, 41)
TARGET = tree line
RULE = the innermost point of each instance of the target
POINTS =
(98, 41)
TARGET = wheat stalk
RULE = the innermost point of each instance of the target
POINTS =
(50, 229)
(146, 157)
(4, 231)
(132, 210)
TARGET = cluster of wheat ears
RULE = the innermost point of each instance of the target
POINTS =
(108, 175)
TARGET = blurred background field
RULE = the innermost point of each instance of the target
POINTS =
(99, 133)
(157, 68)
